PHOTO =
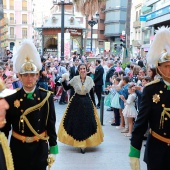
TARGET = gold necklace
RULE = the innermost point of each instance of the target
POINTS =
(82, 82)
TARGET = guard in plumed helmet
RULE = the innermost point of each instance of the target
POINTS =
(155, 109)
(6, 161)
(31, 115)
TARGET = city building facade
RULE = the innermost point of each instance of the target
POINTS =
(146, 17)
(115, 19)
(17, 22)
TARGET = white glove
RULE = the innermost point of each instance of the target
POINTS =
(65, 76)
(134, 163)
(51, 159)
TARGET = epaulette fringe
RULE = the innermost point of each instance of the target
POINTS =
(17, 89)
(45, 90)
(153, 82)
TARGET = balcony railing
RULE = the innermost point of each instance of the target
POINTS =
(24, 22)
(24, 8)
(11, 36)
(136, 24)
(24, 36)
(11, 7)
(12, 22)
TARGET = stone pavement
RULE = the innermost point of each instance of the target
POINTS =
(112, 154)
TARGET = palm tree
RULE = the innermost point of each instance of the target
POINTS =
(87, 8)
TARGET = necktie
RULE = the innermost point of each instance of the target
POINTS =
(29, 95)
(168, 87)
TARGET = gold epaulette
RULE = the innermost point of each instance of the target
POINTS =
(45, 90)
(42, 89)
(17, 89)
(153, 82)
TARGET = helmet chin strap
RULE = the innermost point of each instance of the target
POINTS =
(166, 78)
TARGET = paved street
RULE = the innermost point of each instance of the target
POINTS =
(112, 154)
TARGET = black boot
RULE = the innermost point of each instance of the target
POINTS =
(82, 150)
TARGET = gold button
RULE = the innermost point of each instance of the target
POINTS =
(38, 130)
(166, 118)
(24, 95)
(164, 133)
(39, 120)
(168, 144)
(21, 100)
(22, 131)
(38, 98)
(163, 105)
(161, 91)
(164, 86)
(22, 111)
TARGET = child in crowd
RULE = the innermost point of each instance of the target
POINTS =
(130, 111)
(115, 101)
(123, 91)
(139, 90)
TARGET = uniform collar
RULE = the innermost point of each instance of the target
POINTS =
(29, 91)
(167, 83)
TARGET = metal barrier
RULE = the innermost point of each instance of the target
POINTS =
(101, 109)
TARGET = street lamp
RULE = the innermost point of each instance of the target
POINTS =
(61, 2)
(92, 23)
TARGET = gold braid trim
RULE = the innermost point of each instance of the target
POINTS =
(164, 112)
(31, 109)
(153, 82)
(7, 152)
(47, 112)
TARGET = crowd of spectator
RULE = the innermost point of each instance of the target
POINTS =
(124, 86)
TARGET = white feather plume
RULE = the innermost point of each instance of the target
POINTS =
(27, 49)
(160, 42)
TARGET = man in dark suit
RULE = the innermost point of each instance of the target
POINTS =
(98, 81)
(31, 115)
(110, 72)
(154, 109)
(74, 72)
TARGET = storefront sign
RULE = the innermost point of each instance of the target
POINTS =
(75, 32)
(142, 18)
(156, 14)
(51, 50)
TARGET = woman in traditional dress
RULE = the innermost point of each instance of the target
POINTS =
(80, 126)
